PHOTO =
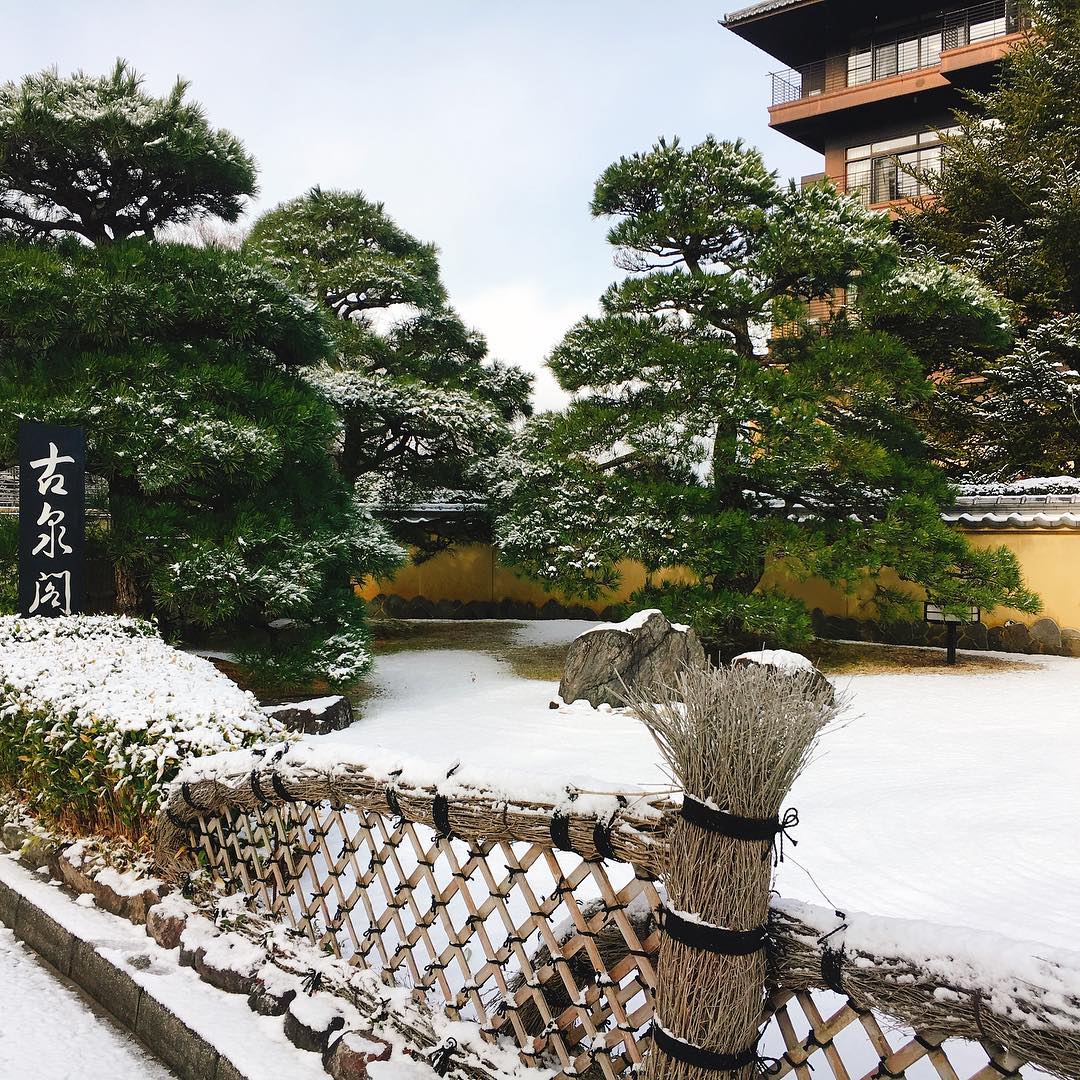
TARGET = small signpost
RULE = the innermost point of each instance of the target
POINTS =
(934, 613)
(52, 519)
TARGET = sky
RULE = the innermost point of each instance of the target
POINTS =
(481, 124)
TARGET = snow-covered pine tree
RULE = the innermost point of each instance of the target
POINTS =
(691, 443)
(423, 410)
(1007, 207)
(183, 364)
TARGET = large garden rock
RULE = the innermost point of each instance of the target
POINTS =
(644, 651)
(315, 717)
(1070, 641)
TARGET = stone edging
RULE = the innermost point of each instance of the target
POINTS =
(132, 1006)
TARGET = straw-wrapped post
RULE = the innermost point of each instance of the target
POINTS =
(735, 739)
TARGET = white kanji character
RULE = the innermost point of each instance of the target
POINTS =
(46, 595)
(49, 542)
(50, 479)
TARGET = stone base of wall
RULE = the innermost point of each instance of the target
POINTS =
(419, 607)
(1043, 636)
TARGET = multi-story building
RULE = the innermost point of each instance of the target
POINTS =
(872, 85)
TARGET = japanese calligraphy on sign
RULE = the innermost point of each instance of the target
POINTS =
(52, 519)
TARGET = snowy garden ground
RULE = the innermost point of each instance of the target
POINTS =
(948, 796)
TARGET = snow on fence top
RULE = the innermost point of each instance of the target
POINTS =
(97, 707)
(314, 841)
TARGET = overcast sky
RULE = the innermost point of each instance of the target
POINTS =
(482, 124)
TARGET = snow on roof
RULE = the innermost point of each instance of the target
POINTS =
(1041, 502)
(762, 8)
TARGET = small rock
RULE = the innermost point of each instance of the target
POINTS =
(1047, 634)
(791, 662)
(350, 1056)
(311, 1021)
(1070, 641)
(1015, 637)
(315, 717)
(643, 652)
(14, 836)
(119, 894)
(40, 853)
(140, 962)
(165, 923)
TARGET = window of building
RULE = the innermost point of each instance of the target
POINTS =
(889, 169)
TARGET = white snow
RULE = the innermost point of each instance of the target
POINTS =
(51, 1031)
(779, 658)
(635, 622)
(256, 1045)
(950, 797)
(314, 705)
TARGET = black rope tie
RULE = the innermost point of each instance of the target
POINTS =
(601, 838)
(185, 790)
(394, 804)
(832, 960)
(753, 830)
(713, 939)
(279, 786)
(256, 787)
(441, 1059)
(709, 1060)
(440, 812)
(560, 831)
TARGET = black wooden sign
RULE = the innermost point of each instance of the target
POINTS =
(52, 519)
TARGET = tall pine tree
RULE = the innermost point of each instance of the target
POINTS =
(690, 443)
(1006, 206)
(423, 410)
(184, 365)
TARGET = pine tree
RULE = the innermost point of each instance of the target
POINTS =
(1006, 206)
(423, 411)
(689, 444)
(184, 365)
(99, 157)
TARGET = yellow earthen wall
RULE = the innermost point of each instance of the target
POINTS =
(472, 572)
(1050, 561)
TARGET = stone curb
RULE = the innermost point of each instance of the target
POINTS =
(133, 1007)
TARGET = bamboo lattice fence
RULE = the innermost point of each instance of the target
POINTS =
(539, 923)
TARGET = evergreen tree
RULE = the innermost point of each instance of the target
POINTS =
(99, 157)
(185, 366)
(687, 443)
(1006, 206)
(423, 410)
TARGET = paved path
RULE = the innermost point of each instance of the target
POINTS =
(50, 1032)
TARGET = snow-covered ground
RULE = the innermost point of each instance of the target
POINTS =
(951, 797)
(49, 1029)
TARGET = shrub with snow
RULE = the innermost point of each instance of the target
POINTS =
(97, 713)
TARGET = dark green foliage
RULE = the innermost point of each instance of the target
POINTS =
(687, 444)
(423, 410)
(1007, 207)
(99, 157)
(184, 365)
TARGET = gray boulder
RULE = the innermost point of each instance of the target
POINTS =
(1046, 634)
(642, 652)
(315, 717)
(792, 662)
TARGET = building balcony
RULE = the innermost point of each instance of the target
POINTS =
(931, 54)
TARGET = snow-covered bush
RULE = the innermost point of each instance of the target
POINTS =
(97, 713)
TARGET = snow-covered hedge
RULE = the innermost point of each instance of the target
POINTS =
(97, 713)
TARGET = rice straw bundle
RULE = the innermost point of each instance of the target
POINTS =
(735, 739)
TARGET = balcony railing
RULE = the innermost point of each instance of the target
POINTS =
(914, 51)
